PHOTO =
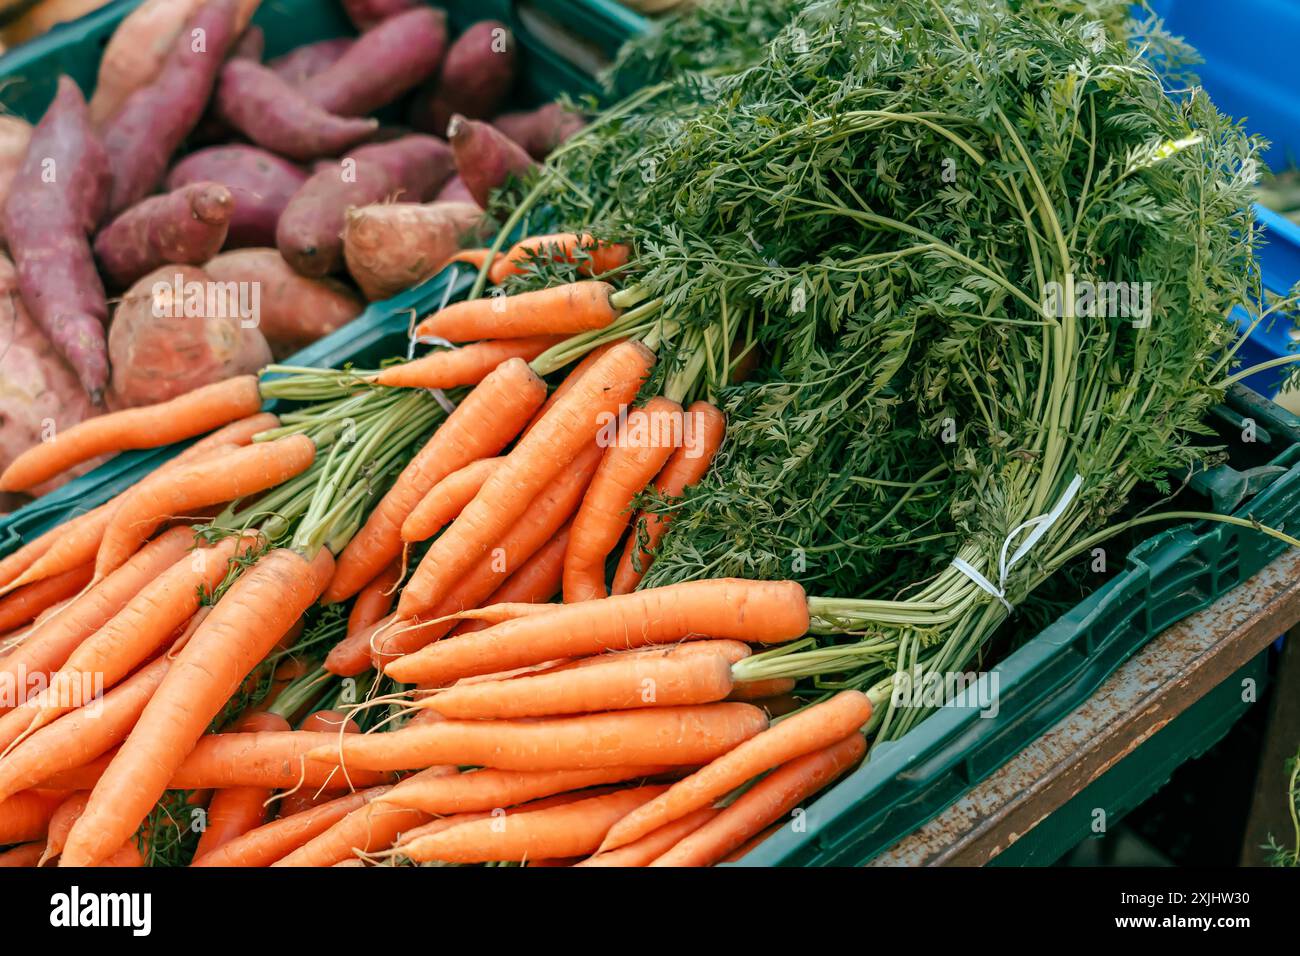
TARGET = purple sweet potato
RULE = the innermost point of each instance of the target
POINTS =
(142, 136)
(384, 63)
(278, 116)
(455, 190)
(309, 234)
(178, 329)
(293, 311)
(261, 182)
(15, 134)
(57, 197)
(485, 156)
(187, 225)
(251, 46)
(367, 13)
(392, 246)
(302, 63)
(539, 131)
(474, 81)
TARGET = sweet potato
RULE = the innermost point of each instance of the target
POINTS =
(485, 157)
(46, 224)
(392, 246)
(539, 131)
(302, 63)
(139, 47)
(386, 62)
(280, 117)
(187, 225)
(309, 234)
(261, 182)
(293, 311)
(42, 17)
(455, 190)
(176, 330)
(475, 78)
(366, 13)
(39, 392)
(15, 134)
(153, 121)
(251, 46)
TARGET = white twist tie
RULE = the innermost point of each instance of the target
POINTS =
(1040, 525)
(447, 404)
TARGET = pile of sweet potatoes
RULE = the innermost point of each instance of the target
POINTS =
(206, 210)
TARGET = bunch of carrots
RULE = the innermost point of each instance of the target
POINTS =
(181, 651)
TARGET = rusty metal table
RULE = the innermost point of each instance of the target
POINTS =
(1068, 781)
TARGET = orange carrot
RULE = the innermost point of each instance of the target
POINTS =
(536, 581)
(812, 729)
(25, 856)
(559, 310)
(687, 466)
(560, 247)
(464, 366)
(271, 841)
(638, 452)
(50, 643)
(240, 472)
(259, 607)
(375, 599)
(65, 814)
(272, 759)
(236, 810)
(624, 683)
(486, 420)
(756, 611)
(26, 816)
(152, 426)
(373, 826)
(143, 624)
(574, 829)
(490, 789)
(25, 605)
(304, 798)
(539, 456)
(741, 851)
(473, 257)
(663, 735)
(654, 844)
(761, 689)
(767, 801)
(447, 499)
(15, 564)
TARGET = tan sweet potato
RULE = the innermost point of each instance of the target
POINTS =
(390, 247)
(187, 226)
(385, 62)
(15, 134)
(261, 182)
(485, 157)
(294, 311)
(475, 79)
(177, 329)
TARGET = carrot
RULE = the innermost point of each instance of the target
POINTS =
(654, 844)
(560, 247)
(372, 826)
(26, 816)
(304, 798)
(140, 627)
(814, 728)
(491, 789)
(574, 829)
(27, 855)
(152, 426)
(464, 366)
(447, 499)
(80, 737)
(51, 642)
(18, 562)
(272, 759)
(546, 513)
(663, 735)
(731, 651)
(756, 611)
(761, 689)
(741, 851)
(536, 581)
(24, 605)
(766, 802)
(473, 257)
(128, 856)
(617, 684)
(570, 380)
(236, 810)
(639, 451)
(79, 778)
(259, 607)
(687, 466)
(242, 471)
(375, 599)
(537, 458)
(271, 841)
(559, 310)
(65, 814)
(486, 420)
